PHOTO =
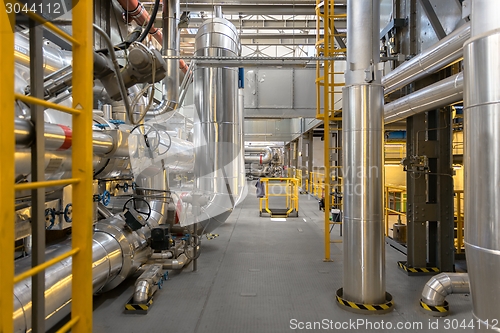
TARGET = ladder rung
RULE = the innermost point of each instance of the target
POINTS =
(47, 24)
(49, 105)
(48, 183)
(37, 269)
(68, 325)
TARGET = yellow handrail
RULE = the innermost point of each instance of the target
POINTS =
(82, 172)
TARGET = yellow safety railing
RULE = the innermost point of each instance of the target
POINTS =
(459, 217)
(395, 203)
(81, 253)
(291, 193)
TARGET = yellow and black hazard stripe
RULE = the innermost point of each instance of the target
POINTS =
(212, 236)
(425, 270)
(139, 307)
(358, 307)
(437, 310)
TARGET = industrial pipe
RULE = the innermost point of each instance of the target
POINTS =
(117, 252)
(442, 285)
(215, 130)
(264, 157)
(135, 11)
(482, 167)
(439, 94)
(363, 128)
(443, 53)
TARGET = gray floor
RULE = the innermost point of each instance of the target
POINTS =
(269, 276)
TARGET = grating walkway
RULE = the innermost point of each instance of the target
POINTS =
(259, 275)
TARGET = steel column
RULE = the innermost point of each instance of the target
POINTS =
(37, 175)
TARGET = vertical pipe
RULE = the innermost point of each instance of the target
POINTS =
(362, 123)
(171, 38)
(482, 167)
(37, 175)
(218, 11)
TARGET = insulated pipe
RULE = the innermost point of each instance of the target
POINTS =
(265, 156)
(135, 11)
(482, 167)
(116, 254)
(442, 285)
(439, 94)
(216, 139)
(363, 128)
(171, 47)
(59, 137)
(443, 53)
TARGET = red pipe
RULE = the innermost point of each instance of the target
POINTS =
(141, 17)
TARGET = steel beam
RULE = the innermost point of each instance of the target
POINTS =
(433, 19)
(37, 175)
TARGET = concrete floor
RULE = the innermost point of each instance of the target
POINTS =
(264, 276)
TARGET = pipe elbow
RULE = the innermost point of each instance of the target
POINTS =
(440, 286)
(141, 292)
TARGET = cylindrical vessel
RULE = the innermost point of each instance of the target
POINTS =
(264, 156)
(441, 54)
(364, 251)
(216, 136)
(362, 137)
(482, 157)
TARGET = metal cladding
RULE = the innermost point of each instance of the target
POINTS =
(439, 94)
(216, 130)
(442, 285)
(362, 123)
(481, 165)
(443, 53)
(116, 254)
(264, 157)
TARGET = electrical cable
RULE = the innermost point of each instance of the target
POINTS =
(152, 19)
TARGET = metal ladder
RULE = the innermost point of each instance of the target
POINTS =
(330, 85)
(82, 169)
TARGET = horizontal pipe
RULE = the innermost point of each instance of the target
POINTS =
(442, 285)
(264, 157)
(442, 93)
(58, 137)
(443, 53)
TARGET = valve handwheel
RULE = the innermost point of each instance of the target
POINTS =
(151, 135)
(132, 203)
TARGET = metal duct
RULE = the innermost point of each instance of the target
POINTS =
(441, 54)
(215, 128)
(171, 47)
(442, 93)
(482, 167)
(442, 285)
(117, 253)
(265, 156)
(363, 128)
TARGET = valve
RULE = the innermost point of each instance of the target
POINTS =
(68, 213)
(106, 198)
(50, 217)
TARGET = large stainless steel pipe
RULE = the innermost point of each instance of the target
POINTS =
(482, 162)
(215, 128)
(439, 94)
(264, 157)
(441, 54)
(362, 123)
(58, 137)
(117, 253)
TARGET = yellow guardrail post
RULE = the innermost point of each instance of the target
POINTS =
(7, 167)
